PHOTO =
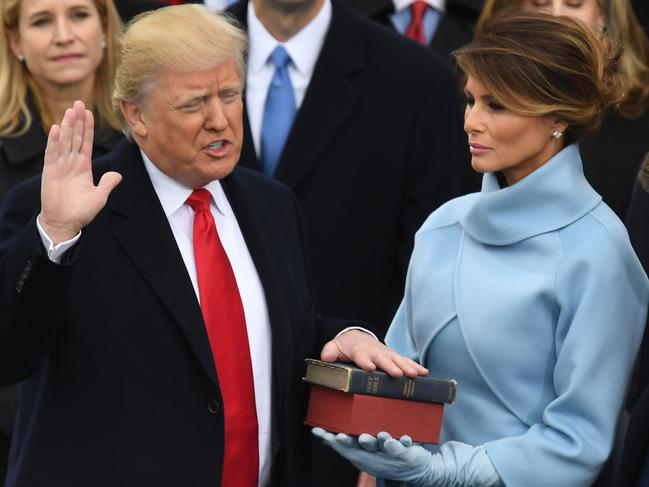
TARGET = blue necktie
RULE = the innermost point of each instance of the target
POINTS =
(279, 112)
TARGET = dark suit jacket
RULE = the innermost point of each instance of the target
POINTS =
(120, 386)
(612, 157)
(636, 444)
(455, 28)
(641, 8)
(22, 158)
(376, 145)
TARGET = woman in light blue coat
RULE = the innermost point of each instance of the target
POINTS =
(528, 293)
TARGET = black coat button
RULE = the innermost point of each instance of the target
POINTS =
(213, 406)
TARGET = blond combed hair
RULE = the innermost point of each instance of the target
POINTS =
(199, 40)
(537, 64)
(622, 26)
(16, 83)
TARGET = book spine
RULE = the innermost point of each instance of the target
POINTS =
(379, 384)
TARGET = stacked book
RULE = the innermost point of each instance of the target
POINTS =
(346, 399)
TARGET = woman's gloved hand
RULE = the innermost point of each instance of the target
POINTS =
(456, 464)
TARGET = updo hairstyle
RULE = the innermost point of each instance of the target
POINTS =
(538, 64)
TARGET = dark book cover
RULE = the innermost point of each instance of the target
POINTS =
(349, 378)
(354, 414)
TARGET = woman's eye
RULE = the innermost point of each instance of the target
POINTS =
(469, 101)
(496, 107)
(39, 22)
(81, 14)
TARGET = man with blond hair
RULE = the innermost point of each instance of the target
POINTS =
(156, 304)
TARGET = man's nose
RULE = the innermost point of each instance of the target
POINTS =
(216, 118)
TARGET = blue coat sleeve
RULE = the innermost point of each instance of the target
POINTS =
(601, 300)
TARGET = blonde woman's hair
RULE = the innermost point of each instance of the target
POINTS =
(623, 27)
(17, 84)
(199, 40)
(537, 64)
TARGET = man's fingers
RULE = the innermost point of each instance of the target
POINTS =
(88, 135)
(108, 182)
(329, 352)
(51, 147)
(64, 142)
(397, 365)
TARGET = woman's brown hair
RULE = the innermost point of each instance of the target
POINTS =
(537, 64)
(620, 25)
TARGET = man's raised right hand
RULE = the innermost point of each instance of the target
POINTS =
(69, 198)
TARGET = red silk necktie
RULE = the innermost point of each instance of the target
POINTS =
(415, 30)
(226, 329)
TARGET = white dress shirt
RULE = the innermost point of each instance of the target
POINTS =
(172, 196)
(403, 4)
(303, 48)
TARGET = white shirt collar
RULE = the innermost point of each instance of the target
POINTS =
(436, 4)
(304, 47)
(172, 194)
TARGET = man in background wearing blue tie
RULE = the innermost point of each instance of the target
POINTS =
(364, 126)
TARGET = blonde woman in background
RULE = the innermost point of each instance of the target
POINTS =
(52, 53)
(611, 156)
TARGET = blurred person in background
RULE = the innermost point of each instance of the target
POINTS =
(52, 53)
(442, 25)
(611, 156)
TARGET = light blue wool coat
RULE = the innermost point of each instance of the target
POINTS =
(532, 298)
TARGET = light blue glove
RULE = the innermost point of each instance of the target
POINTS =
(456, 465)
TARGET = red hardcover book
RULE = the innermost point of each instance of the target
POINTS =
(354, 414)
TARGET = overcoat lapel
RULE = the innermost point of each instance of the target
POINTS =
(147, 239)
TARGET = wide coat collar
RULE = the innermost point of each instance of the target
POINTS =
(550, 198)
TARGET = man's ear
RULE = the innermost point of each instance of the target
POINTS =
(133, 116)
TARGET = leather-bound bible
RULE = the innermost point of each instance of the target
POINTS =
(345, 399)
(349, 378)
(354, 414)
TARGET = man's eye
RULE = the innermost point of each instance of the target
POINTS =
(230, 96)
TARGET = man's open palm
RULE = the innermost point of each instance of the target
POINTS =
(69, 198)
